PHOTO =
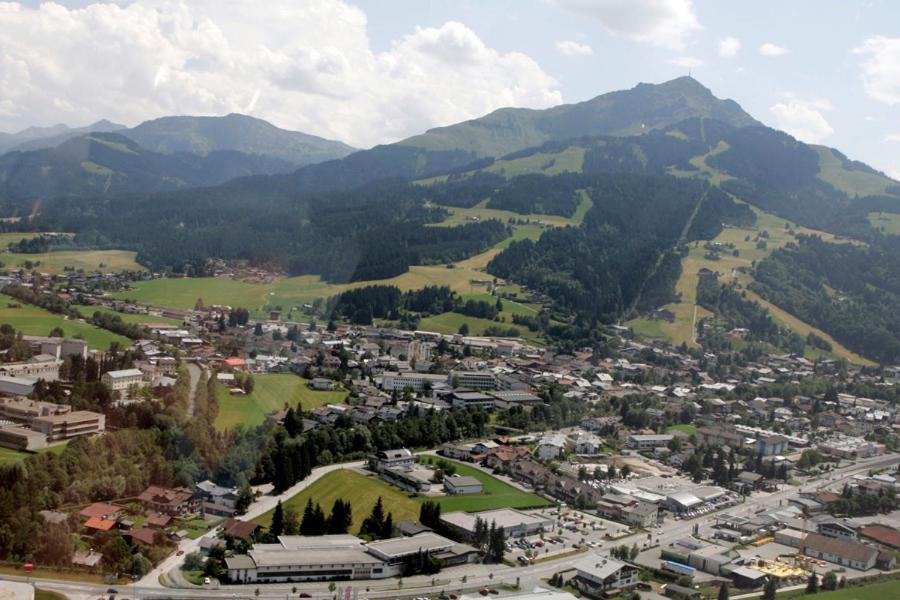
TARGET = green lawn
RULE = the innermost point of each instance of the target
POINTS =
(32, 320)
(8, 456)
(88, 311)
(450, 323)
(270, 394)
(497, 494)
(875, 591)
(362, 491)
(888, 223)
(688, 429)
(55, 263)
(853, 183)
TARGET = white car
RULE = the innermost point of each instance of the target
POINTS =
(206, 581)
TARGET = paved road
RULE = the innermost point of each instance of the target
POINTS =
(195, 372)
(467, 578)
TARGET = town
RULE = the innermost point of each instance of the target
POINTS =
(393, 462)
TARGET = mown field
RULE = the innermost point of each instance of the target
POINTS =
(88, 311)
(888, 223)
(364, 490)
(295, 291)
(497, 494)
(271, 392)
(32, 320)
(55, 263)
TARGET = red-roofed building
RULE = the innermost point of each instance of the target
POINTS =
(99, 523)
(238, 364)
(882, 535)
(102, 510)
(242, 530)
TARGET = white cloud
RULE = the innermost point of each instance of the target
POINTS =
(302, 65)
(687, 62)
(803, 119)
(770, 49)
(892, 137)
(881, 68)
(729, 47)
(665, 23)
(570, 48)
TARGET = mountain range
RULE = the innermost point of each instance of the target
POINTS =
(663, 167)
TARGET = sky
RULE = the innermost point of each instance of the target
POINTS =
(375, 71)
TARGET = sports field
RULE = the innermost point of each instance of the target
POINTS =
(271, 392)
(32, 320)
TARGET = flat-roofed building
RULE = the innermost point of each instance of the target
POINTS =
(16, 437)
(24, 410)
(462, 399)
(16, 386)
(337, 557)
(515, 523)
(477, 380)
(504, 399)
(417, 382)
(70, 425)
(649, 442)
(123, 379)
(462, 484)
(42, 366)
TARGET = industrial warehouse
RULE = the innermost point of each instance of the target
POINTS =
(340, 557)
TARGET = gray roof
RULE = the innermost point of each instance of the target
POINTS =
(599, 566)
(239, 561)
(402, 546)
(462, 480)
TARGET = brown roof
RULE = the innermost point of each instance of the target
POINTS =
(142, 534)
(158, 520)
(167, 496)
(880, 533)
(100, 509)
(849, 550)
(239, 529)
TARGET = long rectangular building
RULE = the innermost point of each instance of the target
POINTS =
(337, 557)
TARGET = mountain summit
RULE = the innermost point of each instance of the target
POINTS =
(644, 107)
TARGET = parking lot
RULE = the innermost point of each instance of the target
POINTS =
(572, 529)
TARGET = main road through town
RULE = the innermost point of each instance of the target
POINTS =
(462, 578)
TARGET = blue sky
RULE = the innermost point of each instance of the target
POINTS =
(370, 71)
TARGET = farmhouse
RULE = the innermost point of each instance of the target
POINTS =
(177, 501)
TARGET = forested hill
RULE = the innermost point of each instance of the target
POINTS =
(110, 164)
(234, 132)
